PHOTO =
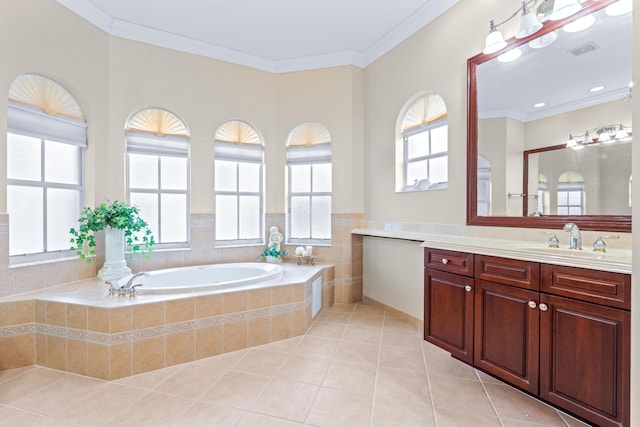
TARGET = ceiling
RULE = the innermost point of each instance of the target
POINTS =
(274, 35)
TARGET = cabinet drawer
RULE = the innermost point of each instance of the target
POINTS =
(523, 274)
(449, 261)
(600, 287)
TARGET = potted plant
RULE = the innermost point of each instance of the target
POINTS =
(122, 224)
(271, 254)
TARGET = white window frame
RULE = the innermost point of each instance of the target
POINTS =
(248, 154)
(299, 156)
(161, 147)
(34, 123)
(406, 161)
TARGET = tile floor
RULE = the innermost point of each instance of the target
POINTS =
(356, 366)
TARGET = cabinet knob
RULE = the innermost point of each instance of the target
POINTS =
(532, 304)
(445, 261)
(468, 288)
(544, 307)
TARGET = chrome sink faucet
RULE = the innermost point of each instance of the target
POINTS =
(575, 239)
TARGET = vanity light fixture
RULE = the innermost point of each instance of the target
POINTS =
(571, 143)
(494, 41)
(510, 55)
(539, 105)
(563, 9)
(544, 40)
(527, 25)
(579, 24)
(619, 8)
(604, 134)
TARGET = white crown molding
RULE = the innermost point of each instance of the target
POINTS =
(119, 28)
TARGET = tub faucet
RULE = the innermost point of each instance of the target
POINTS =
(130, 285)
(575, 239)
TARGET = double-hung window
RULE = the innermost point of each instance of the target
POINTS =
(45, 156)
(309, 185)
(571, 194)
(158, 174)
(238, 185)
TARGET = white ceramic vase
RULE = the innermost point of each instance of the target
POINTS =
(115, 266)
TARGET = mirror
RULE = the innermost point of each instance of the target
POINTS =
(509, 129)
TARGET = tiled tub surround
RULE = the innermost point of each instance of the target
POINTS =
(79, 328)
(345, 253)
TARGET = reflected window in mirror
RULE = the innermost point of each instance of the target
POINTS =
(571, 194)
(484, 186)
(543, 194)
(423, 144)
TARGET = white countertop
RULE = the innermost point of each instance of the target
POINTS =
(614, 260)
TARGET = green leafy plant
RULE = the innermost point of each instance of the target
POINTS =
(118, 215)
(271, 251)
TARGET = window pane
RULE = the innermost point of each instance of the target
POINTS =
(63, 210)
(173, 222)
(225, 176)
(439, 138)
(23, 157)
(249, 177)
(143, 171)
(321, 206)
(300, 217)
(148, 206)
(562, 198)
(61, 163)
(25, 208)
(173, 173)
(418, 145)
(575, 210)
(562, 210)
(249, 217)
(438, 169)
(300, 178)
(416, 171)
(226, 218)
(322, 177)
(575, 198)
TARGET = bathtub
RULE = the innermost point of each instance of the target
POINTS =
(206, 277)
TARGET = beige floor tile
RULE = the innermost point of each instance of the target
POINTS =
(348, 308)
(515, 405)
(101, 406)
(286, 399)
(402, 386)
(334, 407)
(457, 417)
(402, 358)
(458, 393)
(236, 389)
(152, 410)
(440, 363)
(12, 373)
(191, 381)
(305, 369)
(150, 380)
(571, 421)
(363, 334)
(12, 417)
(334, 317)
(355, 352)
(286, 345)
(393, 413)
(486, 378)
(402, 338)
(59, 394)
(354, 377)
(262, 362)
(316, 346)
(30, 382)
(205, 415)
(398, 325)
(327, 330)
(251, 419)
(366, 320)
(225, 360)
(368, 309)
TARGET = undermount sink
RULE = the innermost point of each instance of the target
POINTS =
(611, 254)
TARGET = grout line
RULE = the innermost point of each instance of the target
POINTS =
(484, 389)
(426, 368)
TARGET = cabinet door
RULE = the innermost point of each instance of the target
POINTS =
(585, 359)
(506, 333)
(448, 313)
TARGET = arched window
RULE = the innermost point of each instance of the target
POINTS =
(158, 173)
(238, 184)
(571, 194)
(46, 140)
(424, 150)
(309, 184)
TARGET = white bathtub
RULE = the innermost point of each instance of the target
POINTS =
(206, 277)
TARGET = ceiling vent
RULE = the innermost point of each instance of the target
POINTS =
(585, 48)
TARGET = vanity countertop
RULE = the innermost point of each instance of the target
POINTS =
(614, 260)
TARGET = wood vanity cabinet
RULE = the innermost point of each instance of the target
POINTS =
(561, 333)
(448, 302)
